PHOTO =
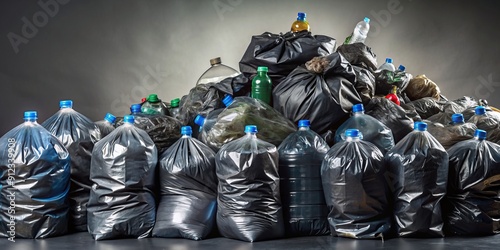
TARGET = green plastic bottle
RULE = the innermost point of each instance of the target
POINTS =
(153, 105)
(262, 85)
(174, 108)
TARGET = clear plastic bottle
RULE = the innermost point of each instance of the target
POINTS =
(153, 106)
(301, 23)
(174, 108)
(387, 65)
(217, 72)
(107, 125)
(401, 68)
(262, 85)
(206, 123)
(360, 32)
(483, 120)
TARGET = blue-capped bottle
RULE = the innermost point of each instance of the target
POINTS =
(304, 207)
(387, 65)
(107, 125)
(301, 23)
(360, 32)
(355, 188)
(483, 120)
(206, 123)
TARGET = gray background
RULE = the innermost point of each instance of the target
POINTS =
(106, 55)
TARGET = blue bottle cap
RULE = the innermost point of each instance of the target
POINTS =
(401, 67)
(480, 110)
(110, 118)
(227, 100)
(186, 130)
(367, 20)
(199, 120)
(420, 126)
(135, 108)
(480, 134)
(66, 104)
(388, 60)
(457, 118)
(250, 129)
(304, 123)
(128, 119)
(301, 15)
(358, 108)
(30, 115)
(352, 133)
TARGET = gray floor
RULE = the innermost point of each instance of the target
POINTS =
(83, 241)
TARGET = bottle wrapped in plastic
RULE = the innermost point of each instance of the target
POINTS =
(418, 170)
(304, 207)
(391, 115)
(356, 191)
(370, 128)
(78, 134)
(248, 203)
(107, 125)
(206, 123)
(35, 174)
(246, 110)
(450, 134)
(484, 120)
(122, 201)
(154, 106)
(188, 187)
(471, 204)
(163, 130)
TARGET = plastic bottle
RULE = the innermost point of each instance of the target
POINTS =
(483, 120)
(457, 119)
(388, 65)
(401, 68)
(153, 106)
(301, 23)
(262, 85)
(174, 108)
(107, 125)
(303, 200)
(135, 109)
(360, 32)
(217, 72)
(206, 123)
(370, 128)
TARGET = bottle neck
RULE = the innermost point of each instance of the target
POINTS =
(30, 120)
(304, 128)
(352, 139)
(301, 19)
(359, 113)
(251, 135)
(261, 73)
(187, 136)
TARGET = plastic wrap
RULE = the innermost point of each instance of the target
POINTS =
(246, 110)
(162, 129)
(34, 184)
(385, 80)
(365, 83)
(472, 201)
(421, 86)
(428, 106)
(188, 187)
(249, 204)
(304, 207)
(78, 134)
(360, 55)
(122, 202)
(391, 115)
(356, 191)
(418, 169)
(487, 122)
(105, 127)
(372, 130)
(448, 135)
(282, 53)
(324, 97)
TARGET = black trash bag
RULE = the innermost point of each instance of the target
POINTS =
(188, 187)
(282, 53)
(428, 106)
(448, 135)
(204, 98)
(304, 207)
(324, 94)
(230, 124)
(365, 84)
(122, 201)
(78, 134)
(418, 171)
(441, 118)
(391, 115)
(472, 202)
(248, 202)
(163, 130)
(385, 81)
(35, 175)
(488, 122)
(356, 190)
(411, 111)
(360, 55)
(464, 102)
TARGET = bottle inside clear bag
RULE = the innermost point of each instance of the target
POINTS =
(217, 72)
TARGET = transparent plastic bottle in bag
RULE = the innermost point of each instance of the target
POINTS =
(217, 72)
(483, 120)
(360, 32)
(387, 65)
(107, 125)
(301, 23)
(153, 106)
(206, 123)
(174, 108)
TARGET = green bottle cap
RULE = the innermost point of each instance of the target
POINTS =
(262, 69)
(175, 103)
(153, 98)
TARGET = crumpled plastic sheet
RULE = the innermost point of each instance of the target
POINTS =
(104, 128)
(122, 199)
(78, 134)
(365, 83)
(188, 188)
(34, 184)
(448, 135)
(360, 55)
(391, 115)
(428, 106)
